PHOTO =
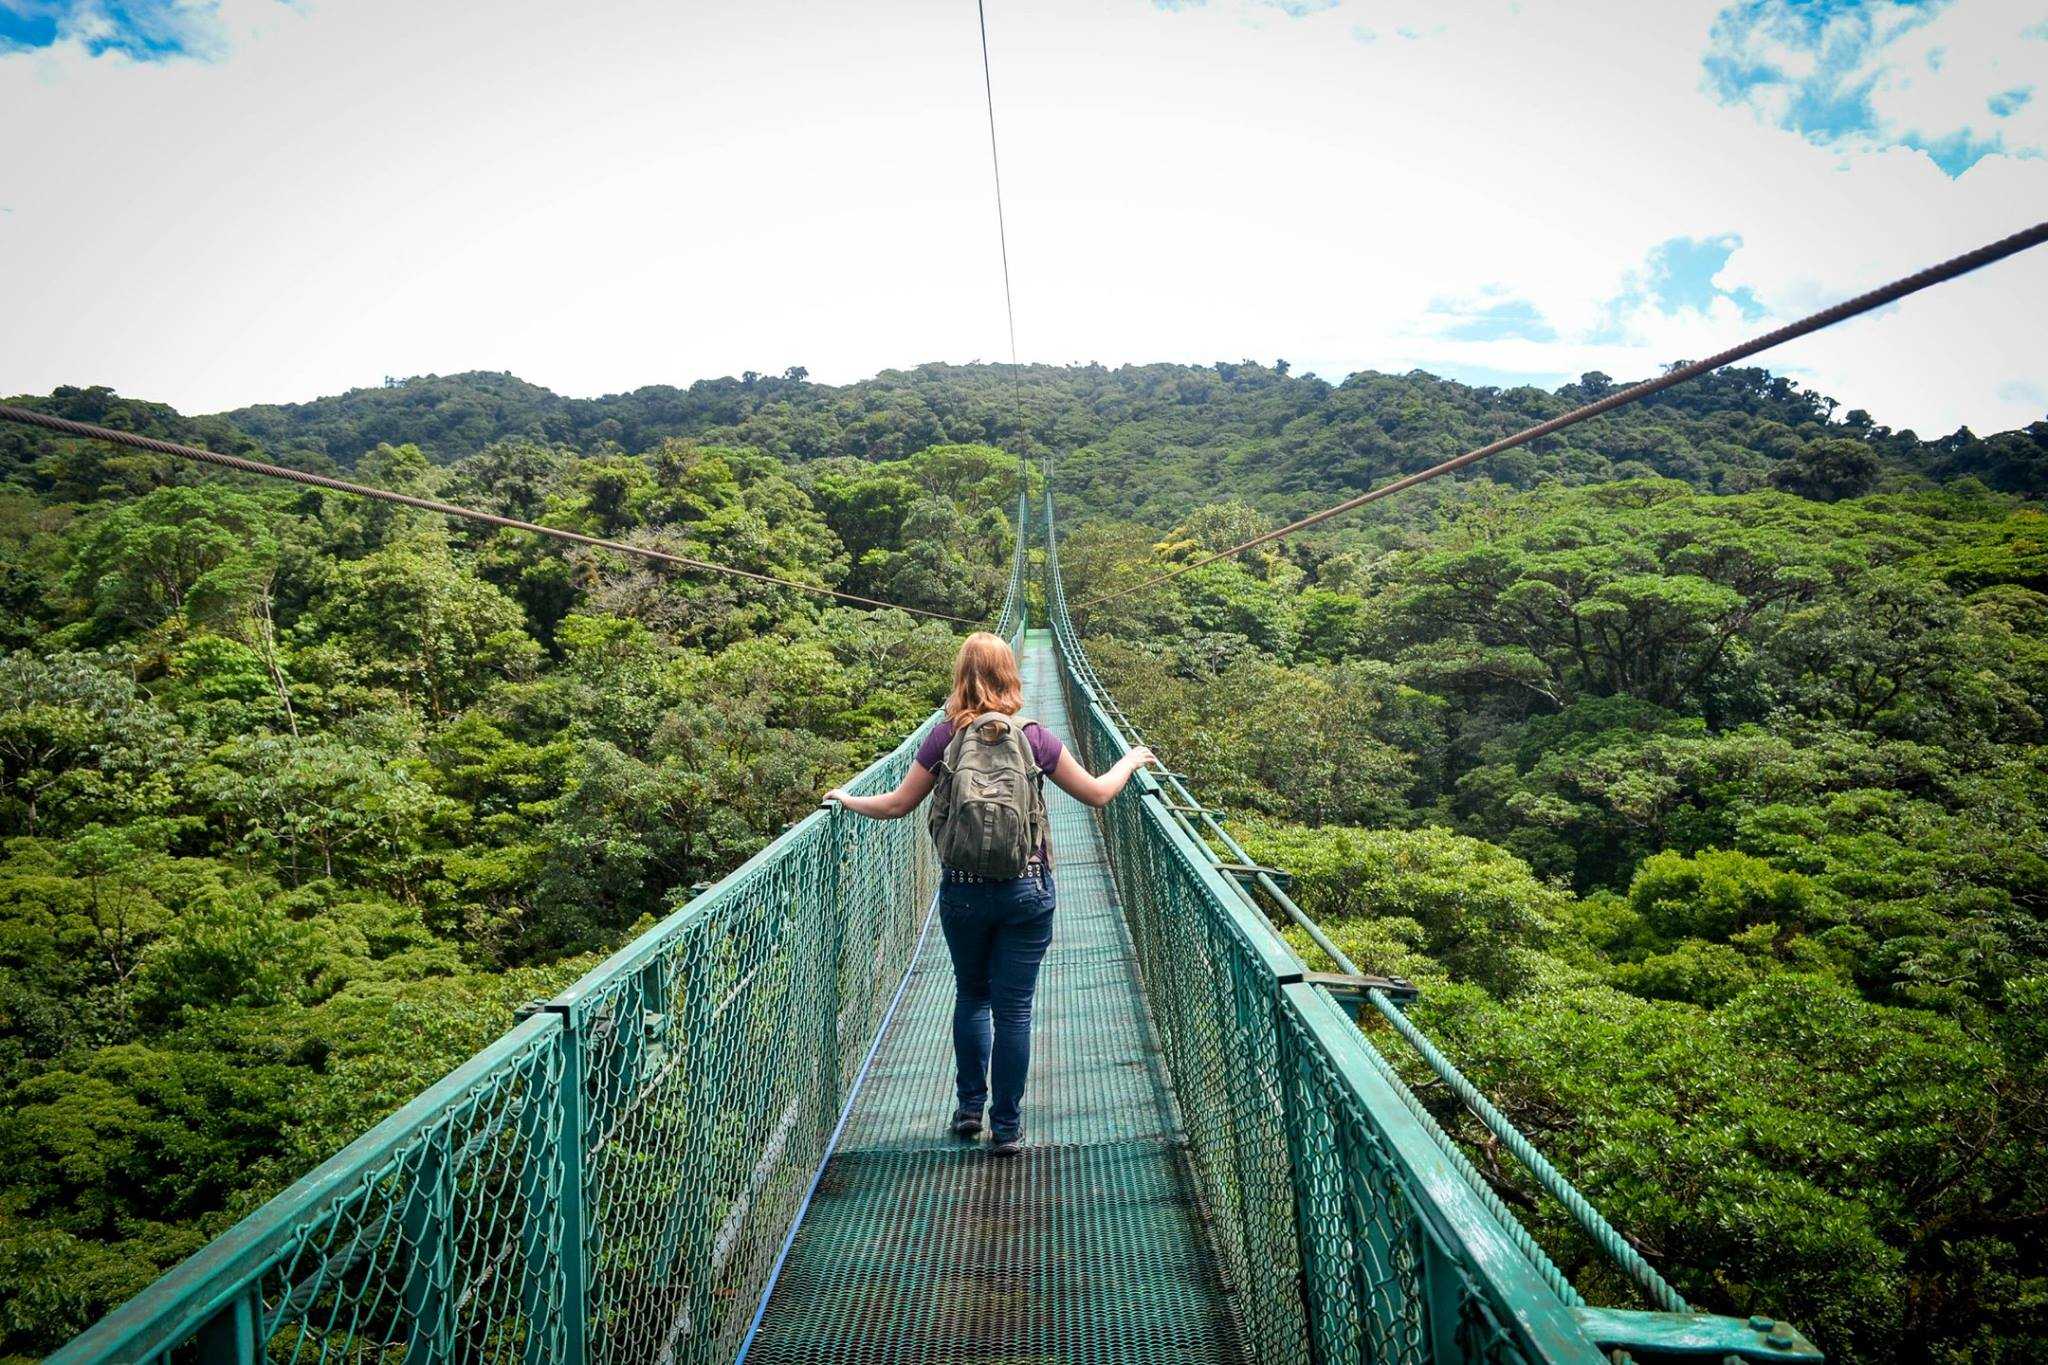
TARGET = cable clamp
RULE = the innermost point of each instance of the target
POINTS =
(1346, 987)
(1253, 871)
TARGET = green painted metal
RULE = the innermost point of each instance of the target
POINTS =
(1223, 1166)
(1695, 1335)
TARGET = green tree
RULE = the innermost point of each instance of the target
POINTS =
(145, 561)
(1829, 470)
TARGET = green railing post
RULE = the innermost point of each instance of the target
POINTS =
(571, 1137)
(229, 1336)
(424, 1225)
(832, 965)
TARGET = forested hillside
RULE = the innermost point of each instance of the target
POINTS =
(1150, 440)
(1692, 760)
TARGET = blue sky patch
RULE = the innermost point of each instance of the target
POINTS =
(141, 30)
(1678, 274)
(1811, 67)
(1510, 318)
(25, 26)
(1955, 152)
(1682, 271)
(2006, 103)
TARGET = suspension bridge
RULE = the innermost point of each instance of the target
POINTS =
(728, 1141)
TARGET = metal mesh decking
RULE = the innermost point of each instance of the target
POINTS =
(1088, 1247)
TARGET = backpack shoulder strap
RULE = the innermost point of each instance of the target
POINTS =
(1025, 723)
(1015, 726)
(949, 756)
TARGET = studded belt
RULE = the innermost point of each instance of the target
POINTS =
(1034, 868)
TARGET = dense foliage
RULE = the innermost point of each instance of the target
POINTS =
(1690, 759)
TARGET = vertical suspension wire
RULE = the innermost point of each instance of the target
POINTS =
(995, 162)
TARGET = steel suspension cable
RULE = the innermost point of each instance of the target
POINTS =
(65, 426)
(996, 166)
(1827, 317)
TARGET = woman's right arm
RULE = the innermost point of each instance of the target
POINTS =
(1076, 781)
(888, 805)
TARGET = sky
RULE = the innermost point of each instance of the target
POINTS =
(220, 202)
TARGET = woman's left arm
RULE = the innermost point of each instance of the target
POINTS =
(888, 805)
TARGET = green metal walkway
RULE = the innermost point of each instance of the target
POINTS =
(919, 1247)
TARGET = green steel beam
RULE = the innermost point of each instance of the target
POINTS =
(1695, 1334)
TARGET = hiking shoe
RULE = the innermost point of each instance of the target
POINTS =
(966, 1125)
(1006, 1146)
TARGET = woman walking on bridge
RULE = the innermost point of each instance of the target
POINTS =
(987, 765)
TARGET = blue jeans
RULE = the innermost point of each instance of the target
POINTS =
(997, 933)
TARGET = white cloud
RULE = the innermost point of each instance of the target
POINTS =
(601, 196)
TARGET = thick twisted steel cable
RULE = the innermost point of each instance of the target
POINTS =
(1827, 317)
(65, 426)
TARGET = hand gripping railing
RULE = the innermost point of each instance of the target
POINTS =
(1357, 1226)
(612, 1179)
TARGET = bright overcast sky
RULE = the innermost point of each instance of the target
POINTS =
(222, 203)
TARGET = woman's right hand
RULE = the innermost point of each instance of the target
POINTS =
(1140, 757)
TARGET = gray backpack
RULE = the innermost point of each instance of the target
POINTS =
(988, 802)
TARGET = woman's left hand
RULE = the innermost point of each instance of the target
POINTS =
(837, 794)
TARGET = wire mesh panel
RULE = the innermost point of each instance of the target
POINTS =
(436, 1237)
(452, 1249)
(1364, 1267)
(713, 1065)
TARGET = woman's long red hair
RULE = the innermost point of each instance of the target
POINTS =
(984, 679)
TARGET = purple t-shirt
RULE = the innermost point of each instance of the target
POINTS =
(1045, 746)
(1045, 751)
